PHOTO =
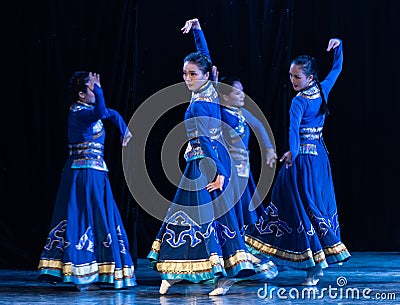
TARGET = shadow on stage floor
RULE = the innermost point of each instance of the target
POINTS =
(368, 277)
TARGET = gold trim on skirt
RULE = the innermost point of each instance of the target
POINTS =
(68, 269)
(296, 256)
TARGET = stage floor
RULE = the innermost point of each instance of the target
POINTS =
(368, 277)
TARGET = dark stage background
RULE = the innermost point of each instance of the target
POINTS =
(138, 49)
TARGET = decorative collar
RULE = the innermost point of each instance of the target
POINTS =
(78, 105)
(233, 109)
(311, 92)
(206, 93)
(84, 104)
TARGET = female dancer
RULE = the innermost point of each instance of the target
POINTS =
(204, 244)
(87, 243)
(236, 131)
(238, 122)
(300, 227)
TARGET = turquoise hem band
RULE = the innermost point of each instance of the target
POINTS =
(195, 278)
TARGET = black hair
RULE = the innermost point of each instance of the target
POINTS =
(78, 83)
(202, 61)
(228, 80)
(309, 66)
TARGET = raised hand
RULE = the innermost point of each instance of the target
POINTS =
(192, 23)
(94, 78)
(215, 73)
(333, 43)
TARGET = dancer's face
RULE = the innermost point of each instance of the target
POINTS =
(194, 78)
(236, 96)
(87, 97)
(298, 79)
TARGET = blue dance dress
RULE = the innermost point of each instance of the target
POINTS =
(236, 130)
(87, 242)
(237, 133)
(200, 237)
(300, 226)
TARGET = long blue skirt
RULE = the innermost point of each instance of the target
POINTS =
(87, 242)
(300, 226)
(200, 241)
(249, 208)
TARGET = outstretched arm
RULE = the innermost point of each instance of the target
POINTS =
(199, 38)
(113, 116)
(262, 135)
(327, 84)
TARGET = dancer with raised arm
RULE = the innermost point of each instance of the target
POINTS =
(300, 226)
(203, 243)
(87, 244)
